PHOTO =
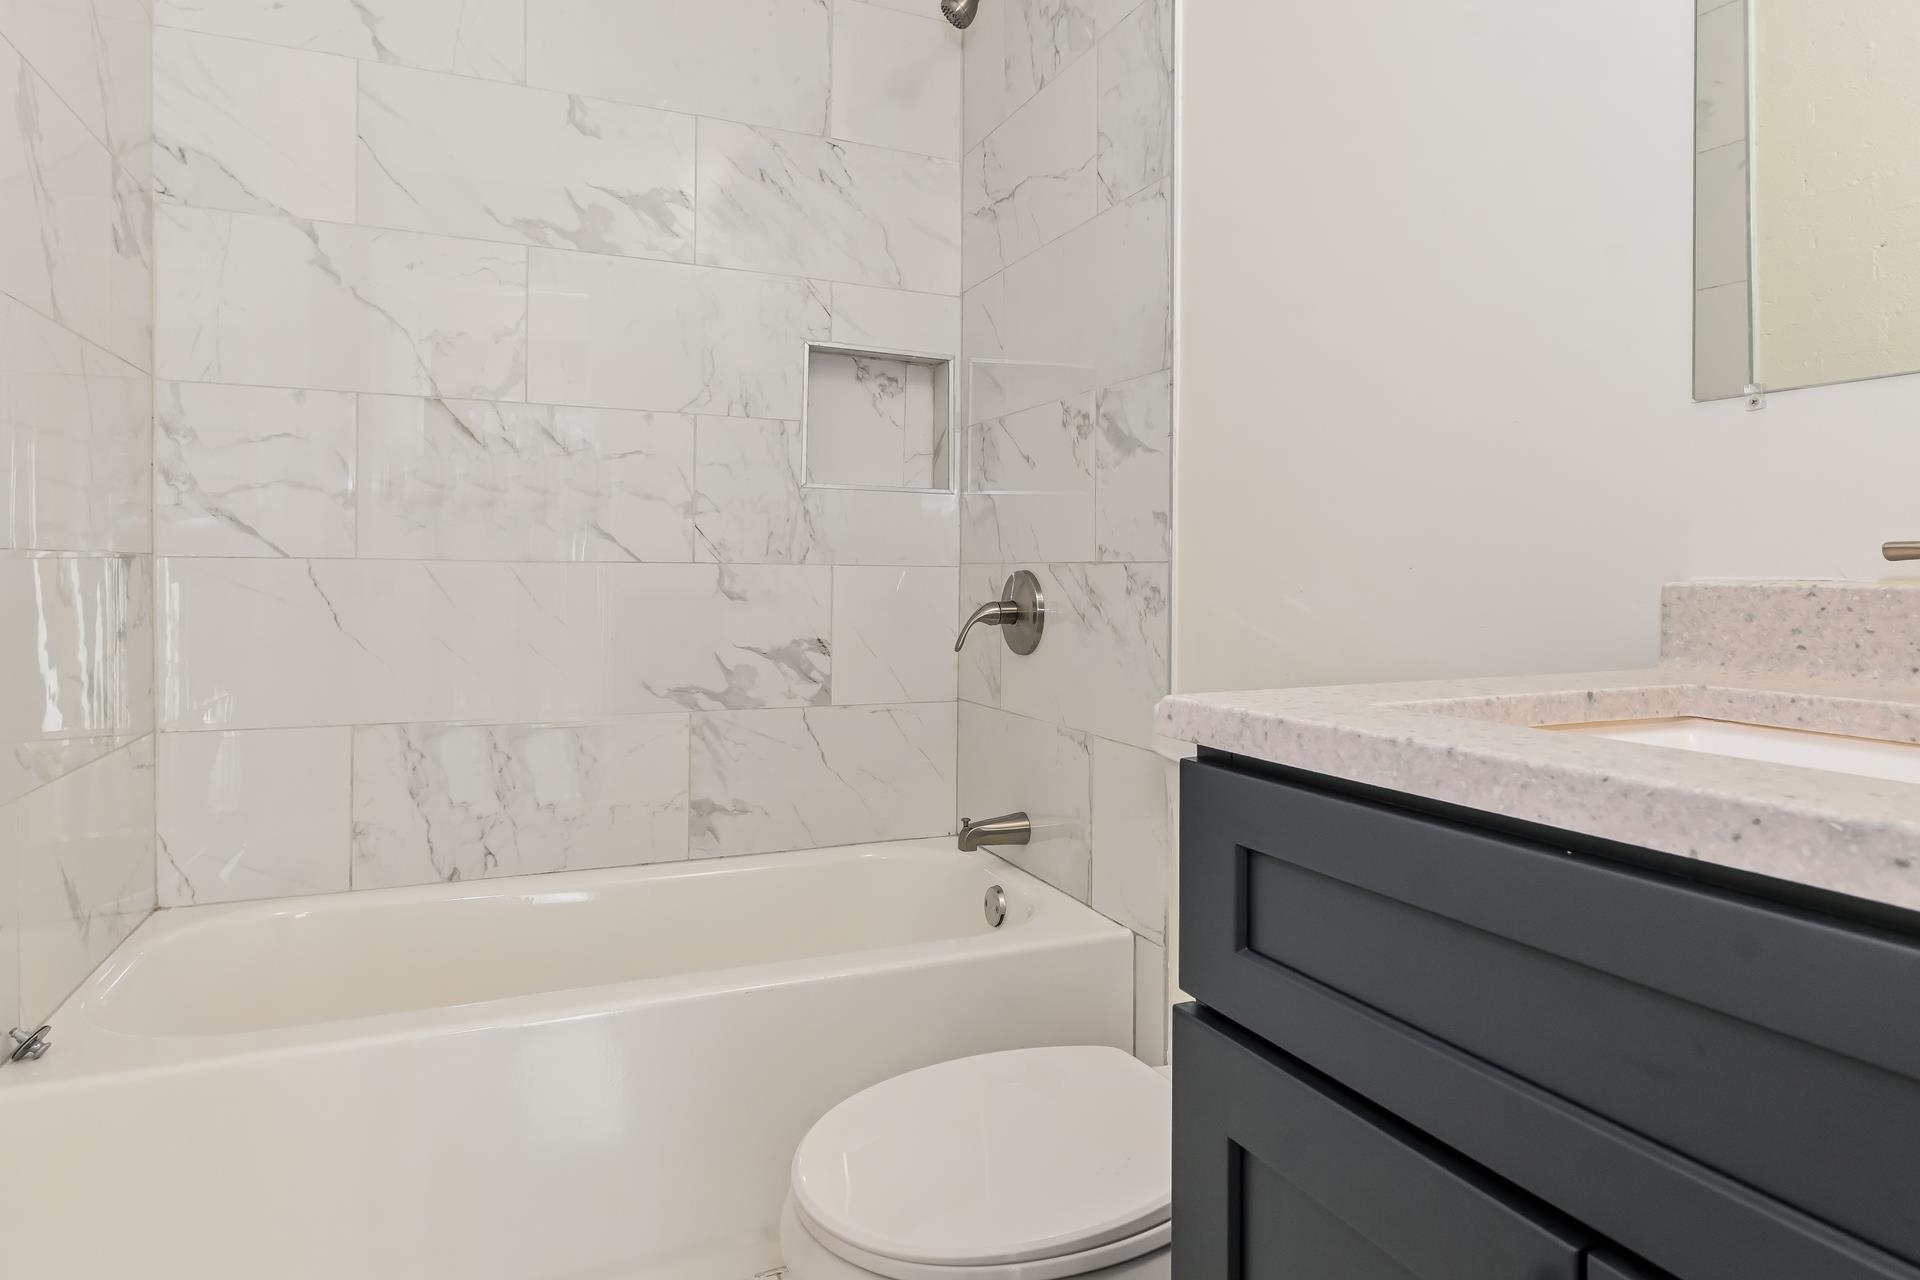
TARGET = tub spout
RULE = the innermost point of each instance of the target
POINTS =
(1012, 828)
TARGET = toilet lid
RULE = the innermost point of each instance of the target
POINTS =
(1010, 1157)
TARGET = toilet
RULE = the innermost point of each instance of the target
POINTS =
(1032, 1164)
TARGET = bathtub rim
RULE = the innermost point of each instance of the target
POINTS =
(94, 1050)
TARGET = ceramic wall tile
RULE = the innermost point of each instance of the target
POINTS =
(463, 157)
(439, 803)
(253, 471)
(76, 648)
(478, 480)
(76, 248)
(1009, 762)
(624, 333)
(276, 302)
(10, 1014)
(1136, 101)
(253, 128)
(1132, 834)
(85, 850)
(1098, 297)
(1033, 179)
(981, 661)
(1030, 485)
(1133, 450)
(252, 815)
(471, 37)
(896, 320)
(754, 509)
(896, 78)
(289, 643)
(770, 780)
(892, 635)
(97, 56)
(759, 61)
(801, 205)
(872, 421)
(983, 74)
(1044, 38)
(75, 431)
(1151, 1007)
(1104, 663)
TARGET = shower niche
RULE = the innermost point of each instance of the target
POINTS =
(878, 419)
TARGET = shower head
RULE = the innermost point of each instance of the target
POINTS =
(960, 12)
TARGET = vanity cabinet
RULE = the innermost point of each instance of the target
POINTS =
(1606, 1061)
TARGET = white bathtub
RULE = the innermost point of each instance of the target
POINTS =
(599, 1074)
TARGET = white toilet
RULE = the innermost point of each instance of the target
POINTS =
(1028, 1165)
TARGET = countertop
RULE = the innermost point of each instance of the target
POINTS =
(1473, 743)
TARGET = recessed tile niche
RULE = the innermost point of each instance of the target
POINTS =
(878, 419)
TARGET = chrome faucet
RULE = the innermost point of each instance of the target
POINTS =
(1901, 551)
(1010, 828)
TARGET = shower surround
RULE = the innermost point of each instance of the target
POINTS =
(476, 541)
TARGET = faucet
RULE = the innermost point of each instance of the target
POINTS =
(1009, 828)
(1901, 551)
(1020, 613)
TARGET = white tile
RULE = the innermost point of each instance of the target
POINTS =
(1033, 179)
(770, 780)
(984, 76)
(253, 128)
(76, 644)
(76, 247)
(472, 37)
(440, 803)
(1151, 1008)
(1133, 450)
(253, 815)
(896, 79)
(253, 471)
(1136, 101)
(85, 850)
(97, 56)
(896, 320)
(760, 61)
(1132, 837)
(800, 205)
(288, 643)
(981, 661)
(1099, 297)
(10, 1014)
(1045, 38)
(478, 480)
(463, 157)
(893, 634)
(274, 302)
(76, 436)
(753, 508)
(1010, 764)
(857, 415)
(624, 333)
(1104, 663)
(1029, 487)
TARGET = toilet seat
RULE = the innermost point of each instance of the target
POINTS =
(1031, 1164)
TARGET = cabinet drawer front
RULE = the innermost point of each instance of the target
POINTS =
(1586, 979)
(1280, 1174)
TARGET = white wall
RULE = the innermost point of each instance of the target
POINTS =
(1836, 109)
(1435, 341)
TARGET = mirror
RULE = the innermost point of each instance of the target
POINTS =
(1806, 193)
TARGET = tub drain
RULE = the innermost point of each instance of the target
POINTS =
(996, 905)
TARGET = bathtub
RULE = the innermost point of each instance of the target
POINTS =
(586, 1075)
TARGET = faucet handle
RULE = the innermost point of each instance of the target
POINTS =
(1020, 613)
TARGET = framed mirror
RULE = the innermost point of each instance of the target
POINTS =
(1806, 193)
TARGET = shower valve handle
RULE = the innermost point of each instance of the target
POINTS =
(1020, 613)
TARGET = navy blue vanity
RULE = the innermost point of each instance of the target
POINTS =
(1431, 1043)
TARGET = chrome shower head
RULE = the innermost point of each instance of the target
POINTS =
(960, 12)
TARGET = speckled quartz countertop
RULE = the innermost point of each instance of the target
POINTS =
(1838, 658)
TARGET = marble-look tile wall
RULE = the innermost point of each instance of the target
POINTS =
(1067, 267)
(484, 541)
(76, 582)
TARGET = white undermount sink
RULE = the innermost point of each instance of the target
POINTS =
(1866, 757)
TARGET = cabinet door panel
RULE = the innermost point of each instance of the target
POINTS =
(1280, 1175)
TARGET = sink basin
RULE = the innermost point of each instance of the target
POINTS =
(1865, 757)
